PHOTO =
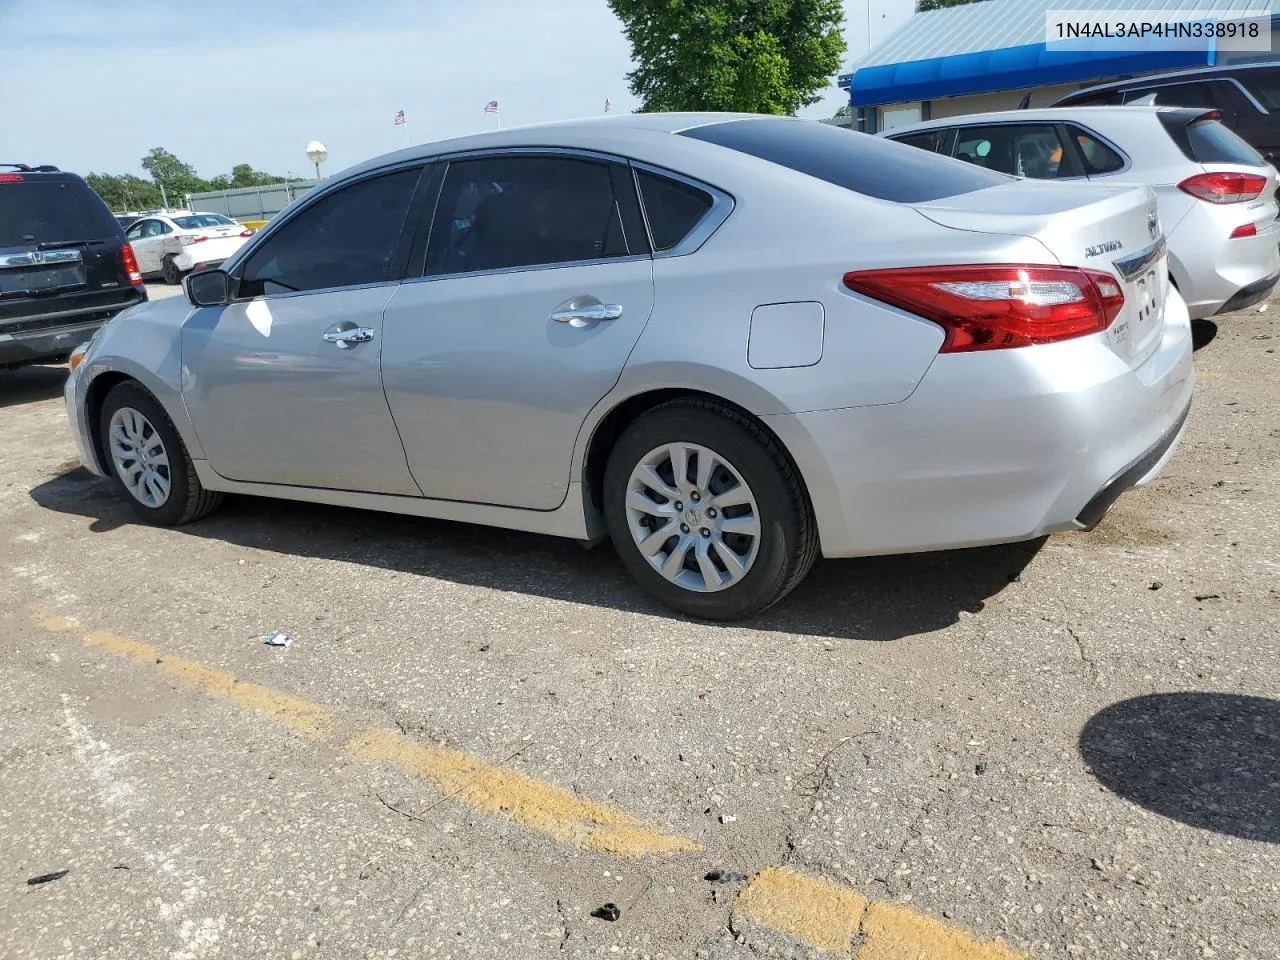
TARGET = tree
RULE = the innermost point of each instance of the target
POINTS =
(124, 191)
(177, 178)
(759, 56)
(243, 175)
(924, 6)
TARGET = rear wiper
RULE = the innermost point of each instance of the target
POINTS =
(52, 244)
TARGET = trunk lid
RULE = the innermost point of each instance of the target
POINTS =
(1115, 229)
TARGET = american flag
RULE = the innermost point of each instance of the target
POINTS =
(399, 118)
(491, 106)
(607, 104)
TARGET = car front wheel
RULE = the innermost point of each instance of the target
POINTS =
(707, 511)
(149, 461)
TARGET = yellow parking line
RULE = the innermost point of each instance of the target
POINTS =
(895, 933)
(835, 918)
(557, 813)
(549, 810)
(821, 913)
(824, 914)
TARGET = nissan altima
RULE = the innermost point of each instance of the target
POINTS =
(728, 343)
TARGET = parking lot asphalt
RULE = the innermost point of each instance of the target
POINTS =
(480, 740)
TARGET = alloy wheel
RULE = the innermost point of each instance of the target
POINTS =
(693, 517)
(139, 456)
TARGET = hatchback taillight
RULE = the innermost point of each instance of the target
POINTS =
(1224, 187)
(130, 264)
(997, 306)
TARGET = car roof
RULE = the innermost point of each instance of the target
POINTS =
(1041, 114)
(1198, 73)
(618, 130)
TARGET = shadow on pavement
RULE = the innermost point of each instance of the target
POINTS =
(1202, 333)
(30, 384)
(1211, 760)
(883, 598)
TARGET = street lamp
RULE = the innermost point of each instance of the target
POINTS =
(317, 154)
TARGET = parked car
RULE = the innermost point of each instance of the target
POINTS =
(1217, 195)
(65, 268)
(172, 244)
(728, 342)
(1247, 95)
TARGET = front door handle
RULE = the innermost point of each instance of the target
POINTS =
(581, 311)
(348, 337)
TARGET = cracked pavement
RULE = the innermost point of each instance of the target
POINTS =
(1072, 745)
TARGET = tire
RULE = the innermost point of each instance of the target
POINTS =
(169, 271)
(742, 455)
(138, 421)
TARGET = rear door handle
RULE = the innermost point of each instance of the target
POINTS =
(348, 337)
(581, 311)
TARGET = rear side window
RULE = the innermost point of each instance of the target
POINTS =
(1180, 95)
(346, 238)
(508, 212)
(931, 140)
(47, 211)
(672, 208)
(1264, 85)
(1208, 141)
(868, 165)
(1023, 150)
(1098, 157)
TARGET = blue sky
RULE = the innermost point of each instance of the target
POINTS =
(234, 81)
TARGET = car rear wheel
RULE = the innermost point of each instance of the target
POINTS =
(707, 511)
(169, 270)
(149, 461)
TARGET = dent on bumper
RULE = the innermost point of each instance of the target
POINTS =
(991, 448)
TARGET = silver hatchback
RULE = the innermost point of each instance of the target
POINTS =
(728, 343)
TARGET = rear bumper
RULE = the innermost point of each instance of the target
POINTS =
(1253, 293)
(207, 253)
(48, 343)
(997, 447)
(1215, 272)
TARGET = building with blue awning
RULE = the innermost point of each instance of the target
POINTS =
(992, 54)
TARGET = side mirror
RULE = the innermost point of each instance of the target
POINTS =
(208, 288)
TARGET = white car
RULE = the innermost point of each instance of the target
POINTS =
(171, 244)
(1217, 194)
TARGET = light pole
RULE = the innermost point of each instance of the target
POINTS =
(317, 154)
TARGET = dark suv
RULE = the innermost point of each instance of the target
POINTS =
(1247, 95)
(65, 268)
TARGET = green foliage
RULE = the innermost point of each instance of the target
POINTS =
(759, 56)
(125, 191)
(177, 178)
(923, 6)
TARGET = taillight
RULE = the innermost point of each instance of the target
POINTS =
(10, 178)
(246, 233)
(130, 263)
(1248, 230)
(997, 306)
(187, 239)
(1224, 187)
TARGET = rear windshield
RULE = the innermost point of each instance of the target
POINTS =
(196, 221)
(868, 165)
(46, 211)
(1208, 141)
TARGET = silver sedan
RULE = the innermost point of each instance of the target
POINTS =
(728, 343)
